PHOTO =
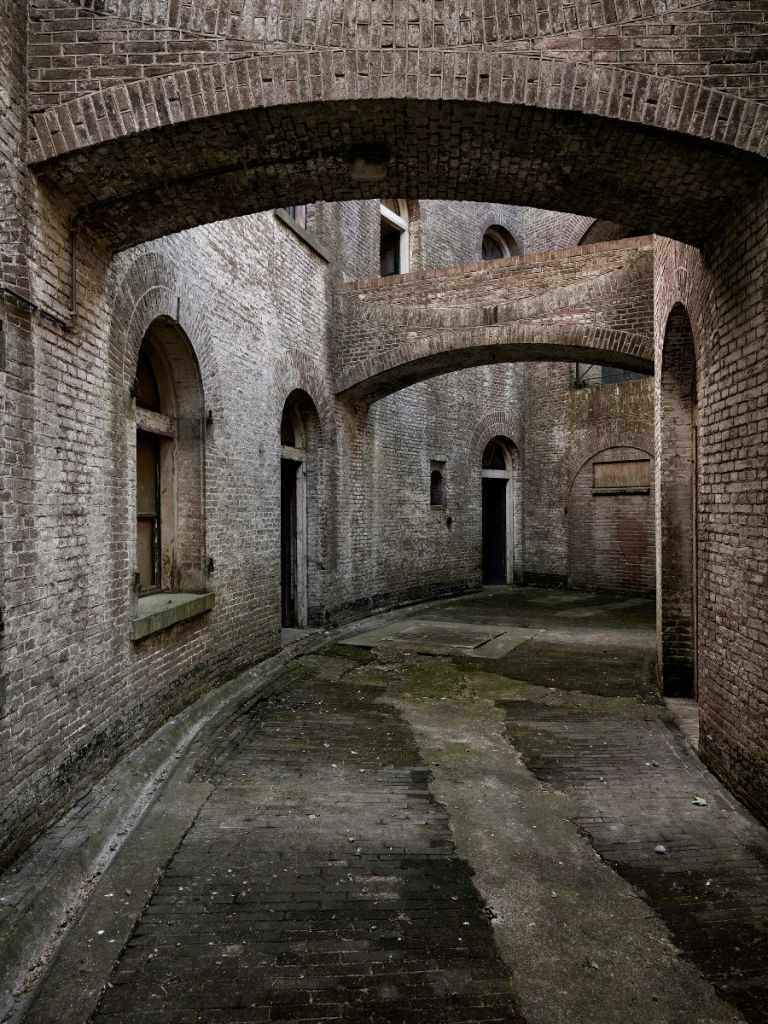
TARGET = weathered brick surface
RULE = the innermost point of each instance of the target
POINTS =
(584, 304)
(78, 47)
(342, 896)
(725, 300)
(188, 147)
(710, 887)
(293, 103)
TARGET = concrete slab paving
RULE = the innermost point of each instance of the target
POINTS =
(397, 837)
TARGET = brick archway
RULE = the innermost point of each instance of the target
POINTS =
(157, 155)
(495, 424)
(430, 354)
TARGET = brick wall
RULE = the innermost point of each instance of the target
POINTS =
(78, 47)
(724, 294)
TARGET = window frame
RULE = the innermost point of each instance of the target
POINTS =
(398, 221)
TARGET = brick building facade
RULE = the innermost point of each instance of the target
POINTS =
(141, 140)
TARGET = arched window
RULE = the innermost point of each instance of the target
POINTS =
(170, 543)
(395, 243)
(498, 243)
(493, 456)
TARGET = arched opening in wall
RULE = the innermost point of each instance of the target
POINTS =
(169, 425)
(611, 523)
(678, 471)
(299, 431)
(498, 472)
(395, 249)
(498, 244)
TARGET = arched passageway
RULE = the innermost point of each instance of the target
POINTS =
(677, 507)
(569, 305)
(353, 124)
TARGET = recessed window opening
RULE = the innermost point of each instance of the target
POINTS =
(437, 485)
(498, 244)
(394, 244)
(170, 542)
(148, 512)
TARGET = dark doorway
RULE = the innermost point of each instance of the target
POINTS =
(288, 540)
(494, 531)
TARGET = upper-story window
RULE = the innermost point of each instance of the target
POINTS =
(498, 243)
(395, 244)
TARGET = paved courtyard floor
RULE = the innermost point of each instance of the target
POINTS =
(421, 831)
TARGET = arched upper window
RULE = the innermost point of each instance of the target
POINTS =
(395, 243)
(498, 243)
(494, 456)
(170, 543)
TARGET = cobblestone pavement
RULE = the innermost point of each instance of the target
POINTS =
(370, 847)
(319, 882)
(639, 789)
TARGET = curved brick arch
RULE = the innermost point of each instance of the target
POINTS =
(296, 371)
(291, 23)
(495, 424)
(281, 128)
(152, 287)
(432, 353)
(617, 434)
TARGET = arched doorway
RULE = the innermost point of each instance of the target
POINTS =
(298, 427)
(678, 427)
(498, 511)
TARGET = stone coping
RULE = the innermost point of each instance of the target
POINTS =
(308, 237)
(160, 611)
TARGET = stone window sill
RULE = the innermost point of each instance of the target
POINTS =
(598, 491)
(156, 612)
(306, 236)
